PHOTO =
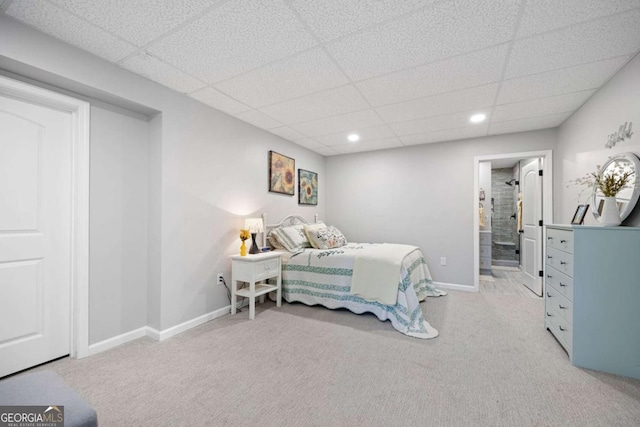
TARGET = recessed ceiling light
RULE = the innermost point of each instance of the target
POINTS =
(478, 118)
(353, 137)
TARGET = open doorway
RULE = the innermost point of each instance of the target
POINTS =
(513, 199)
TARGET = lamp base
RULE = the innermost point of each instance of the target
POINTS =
(254, 248)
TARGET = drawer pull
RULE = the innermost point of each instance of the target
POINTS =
(548, 295)
(563, 263)
(562, 307)
(562, 284)
(549, 257)
(563, 241)
(549, 276)
(549, 314)
(549, 238)
(561, 328)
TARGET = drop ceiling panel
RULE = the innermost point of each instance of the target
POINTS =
(325, 151)
(464, 71)
(380, 144)
(330, 19)
(318, 105)
(445, 135)
(452, 102)
(366, 135)
(303, 74)
(287, 133)
(138, 22)
(310, 143)
(219, 101)
(431, 124)
(152, 68)
(532, 123)
(62, 25)
(544, 15)
(540, 107)
(341, 123)
(446, 29)
(567, 80)
(259, 119)
(234, 38)
(592, 41)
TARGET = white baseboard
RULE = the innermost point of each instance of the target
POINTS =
(455, 287)
(148, 331)
(117, 340)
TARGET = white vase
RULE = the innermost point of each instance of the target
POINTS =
(610, 215)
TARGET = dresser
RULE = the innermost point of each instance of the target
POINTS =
(592, 295)
(485, 252)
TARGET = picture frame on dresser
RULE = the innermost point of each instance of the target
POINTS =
(578, 217)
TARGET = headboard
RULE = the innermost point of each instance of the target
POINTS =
(287, 220)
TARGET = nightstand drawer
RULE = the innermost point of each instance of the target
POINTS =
(267, 268)
(560, 304)
(561, 329)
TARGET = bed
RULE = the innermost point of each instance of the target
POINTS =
(326, 276)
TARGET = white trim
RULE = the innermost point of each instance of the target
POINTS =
(455, 287)
(80, 121)
(547, 197)
(110, 343)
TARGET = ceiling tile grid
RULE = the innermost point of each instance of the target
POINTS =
(152, 68)
(234, 38)
(67, 27)
(409, 72)
(219, 100)
(139, 22)
(303, 74)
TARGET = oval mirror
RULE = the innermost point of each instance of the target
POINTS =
(628, 196)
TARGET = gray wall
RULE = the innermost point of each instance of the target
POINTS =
(420, 195)
(581, 139)
(118, 223)
(206, 172)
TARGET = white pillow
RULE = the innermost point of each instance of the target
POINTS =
(326, 237)
(292, 237)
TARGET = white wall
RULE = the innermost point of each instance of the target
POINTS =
(419, 195)
(206, 170)
(118, 223)
(581, 139)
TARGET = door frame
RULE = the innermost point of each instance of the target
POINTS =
(80, 134)
(547, 198)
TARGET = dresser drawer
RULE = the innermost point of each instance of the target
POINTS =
(267, 268)
(561, 261)
(560, 239)
(559, 281)
(557, 302)
(561, 329)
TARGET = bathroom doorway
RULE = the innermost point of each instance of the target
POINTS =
(514, 198)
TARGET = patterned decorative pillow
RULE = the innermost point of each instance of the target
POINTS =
(273, 241)
(311, 229)
(326, 237)
(292, 237)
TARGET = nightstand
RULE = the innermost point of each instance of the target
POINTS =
(252, 269)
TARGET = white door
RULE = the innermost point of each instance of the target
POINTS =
(35, 234)
(531, 216)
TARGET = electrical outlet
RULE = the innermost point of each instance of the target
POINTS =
(220, 279)
(443, 260)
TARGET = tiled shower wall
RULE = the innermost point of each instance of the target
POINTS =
(504, 227)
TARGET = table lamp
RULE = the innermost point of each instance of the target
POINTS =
(254, 225)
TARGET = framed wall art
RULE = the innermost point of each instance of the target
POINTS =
(307, 187)
(282, 171)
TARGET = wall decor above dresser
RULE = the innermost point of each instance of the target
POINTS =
(592, 295)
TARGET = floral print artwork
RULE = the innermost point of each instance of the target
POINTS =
(281, 173)
(307, 187)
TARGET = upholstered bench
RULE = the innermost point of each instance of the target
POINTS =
(44, 388)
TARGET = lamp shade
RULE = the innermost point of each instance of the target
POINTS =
(254, 225)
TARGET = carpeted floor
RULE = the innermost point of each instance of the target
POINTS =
(493, 364)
